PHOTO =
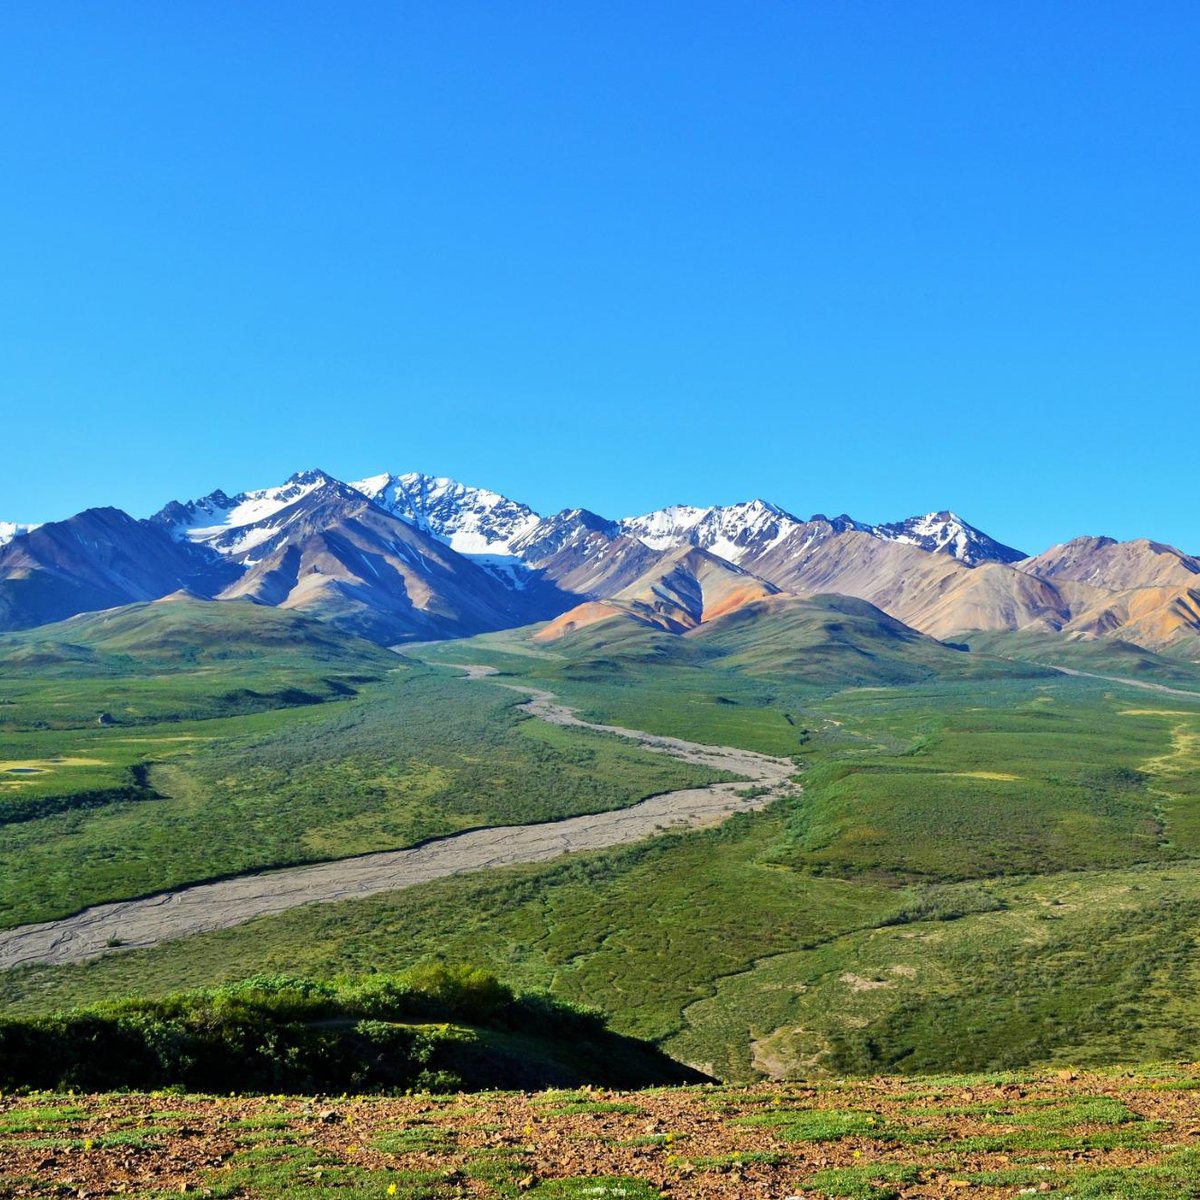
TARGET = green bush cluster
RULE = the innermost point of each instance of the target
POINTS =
(283, 1033)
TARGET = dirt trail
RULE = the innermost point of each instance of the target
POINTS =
(136, 924)
(1145, 684)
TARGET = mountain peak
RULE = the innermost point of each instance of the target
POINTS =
(732, 531)
(841, 523)
(1105, 562)
(945, 532)
(315, 475)
(233, 525)
(470, 520)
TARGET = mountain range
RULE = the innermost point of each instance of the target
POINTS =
(400, 558)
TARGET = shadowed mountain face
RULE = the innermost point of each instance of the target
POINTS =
(98, 559)
(408, 557)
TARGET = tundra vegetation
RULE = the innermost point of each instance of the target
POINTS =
(990, 864)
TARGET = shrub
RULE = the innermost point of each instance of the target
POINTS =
(282, 1033)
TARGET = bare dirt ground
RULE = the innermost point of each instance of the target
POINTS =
(135, 924)
(1119, 1134)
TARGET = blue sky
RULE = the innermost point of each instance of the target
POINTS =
(873, 257)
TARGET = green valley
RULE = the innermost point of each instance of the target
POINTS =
(990, 864)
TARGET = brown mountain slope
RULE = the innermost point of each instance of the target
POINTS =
(945, 598)
(934, 593)
(992, 597)
(682, 590)
(1157, 618)
(1117, 566)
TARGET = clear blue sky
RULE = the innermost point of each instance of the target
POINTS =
(876, 257)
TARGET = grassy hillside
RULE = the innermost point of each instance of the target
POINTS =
(185, 631)
(176, 660)
(821, 641)
(834, 641)
(1103, 656)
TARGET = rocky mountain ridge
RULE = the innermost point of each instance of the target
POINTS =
(414, 556)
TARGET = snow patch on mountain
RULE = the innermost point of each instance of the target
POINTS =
(731, 531)
(665, 527)
(472, 521)
(563, 530)
(233, 525)
(946, 532)
(12, 529)
(841, 524)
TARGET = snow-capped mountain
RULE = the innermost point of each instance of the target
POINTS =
(471, 520)
(12, 529)
(561, 530)
(337, 555)
(582, 553)
(235, 525)
(947, 533)
(744, 532)
(732, 531)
